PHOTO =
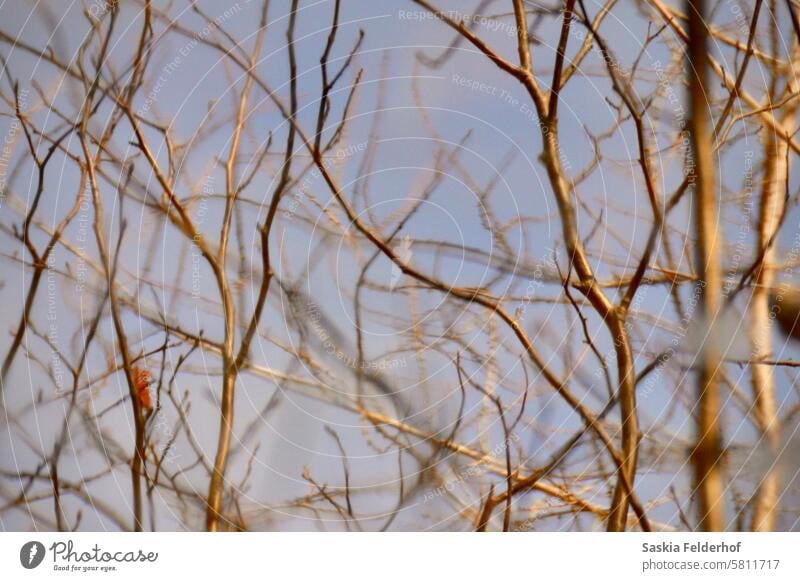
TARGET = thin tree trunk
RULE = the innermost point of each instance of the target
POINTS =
(763, 381)
(776, 172)
(708, 481)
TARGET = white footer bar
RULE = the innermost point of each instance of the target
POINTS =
(400, 556)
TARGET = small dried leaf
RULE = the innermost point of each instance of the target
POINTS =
(141, 380)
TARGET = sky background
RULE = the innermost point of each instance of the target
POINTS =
(405, 115)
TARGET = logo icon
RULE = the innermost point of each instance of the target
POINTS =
(31, 554)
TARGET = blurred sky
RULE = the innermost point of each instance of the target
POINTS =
(496, 123)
